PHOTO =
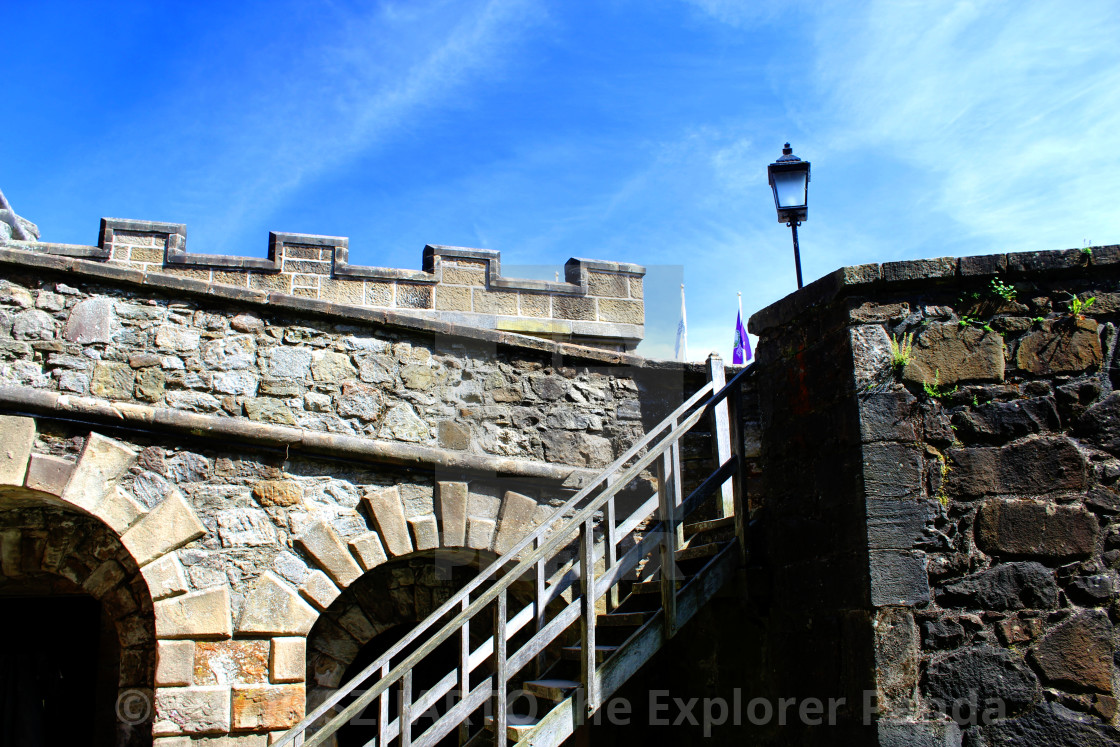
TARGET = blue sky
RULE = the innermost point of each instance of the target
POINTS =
(630, 130)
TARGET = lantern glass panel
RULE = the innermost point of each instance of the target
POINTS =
(790, 187)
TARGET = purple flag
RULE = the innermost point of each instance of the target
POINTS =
(742, 351)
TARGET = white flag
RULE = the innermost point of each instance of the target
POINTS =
(681, 350)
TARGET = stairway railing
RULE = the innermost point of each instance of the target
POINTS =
(489, 592)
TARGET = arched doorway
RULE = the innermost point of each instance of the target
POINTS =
(373, 614)
(79, 655)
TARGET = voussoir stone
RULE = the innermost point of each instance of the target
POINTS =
(48, 473)
(168, 526)
(388, 511)
(272, 607)
(368, 549)
(165, 577)
(452, 497)
(949, 353)
(1078, 653)
(323, 544)
(515, 520)
(17, 434)
(1035, 529)
(101, 464)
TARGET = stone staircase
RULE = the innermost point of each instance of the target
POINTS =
(615, 573)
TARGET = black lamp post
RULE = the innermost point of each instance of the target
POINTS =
(789, 179)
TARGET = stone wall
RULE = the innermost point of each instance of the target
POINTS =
(981, 482)
(599, 303)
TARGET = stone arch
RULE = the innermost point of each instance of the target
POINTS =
(137, 571)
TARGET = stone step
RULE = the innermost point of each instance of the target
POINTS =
(602, 653)
(554, 690)
(709, 526)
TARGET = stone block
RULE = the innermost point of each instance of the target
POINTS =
(174, 663)
(413, 296)
(452, 497)
(91, 321)
(1036, 529)
(172, 742)
(574, 307)
(338, 290)
(267, 706)
(426, 531)
(479, 533)
(48, 473)
(168, 526)
(230, 662)
(535, 305)
(607, 284)
(165, 577)
(1052, 724)
(457, 275)
(981, 674)
(515, 520)
(368, 550)
(1007, 586)
(1100, 423)
(449, 298)
(200, 614)
(192, 710)
(898, 577)
(278, 493)
(899, 525)
(1078, 653)
(494, 302)
(577, 448)
(888, 416)
(331, 367)
(1061, 349)
(273, 608)
(101, 464)
(119, 510)
(388, 512)
(946, 354)
(1038, 467)
(454, 435)
(892, 470)
(321, 542)
(919, 733)
(897, 658)
(319, 589)
(626, 312)
(17, 435)
(287, 659)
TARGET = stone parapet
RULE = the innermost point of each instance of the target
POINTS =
(598, 303)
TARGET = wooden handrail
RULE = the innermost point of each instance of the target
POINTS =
(512, 566)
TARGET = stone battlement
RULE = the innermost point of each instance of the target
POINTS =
(598, 303)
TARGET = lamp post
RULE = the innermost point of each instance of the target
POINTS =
(789, 179)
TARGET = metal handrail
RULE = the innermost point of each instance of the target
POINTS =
(508, 568)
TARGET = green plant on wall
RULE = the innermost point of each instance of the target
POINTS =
(902, 350)
(1078, 306)
(1087, 249)
(935, 390)
(1006, 291)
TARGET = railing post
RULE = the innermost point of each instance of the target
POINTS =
(383, 709)
(540, 582)
(610, 542)
(589, 675)
(721, 433)
(405, 718)
(501, 714)
(668, 511)
(464, 668)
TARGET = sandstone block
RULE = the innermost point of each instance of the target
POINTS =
(319, 589)
(361, 401)
(91, 321)
(626, 312)
(949, 353)
(367, 548)
(104, 578)
(102, 463)
(479, 533)
(48, 473)
(278, 493)
(403, 424)
(426, 531)
(176, 339)
(1035, 529)
(119, 510)
(515, 520)
(165, 577)
(323, 544)
(269, 410)
(174, 663)
(454, 435)
(167, 527)
(1078, 653)
(1061, 349)
(200, 614)
(16, 436)
(267, 706)
(388, 512)
(288, 363)
(577, 449)
(245, 527)
(453, 512)
(230, 662)
(332, 367)
(274, 608)
(288, 659)
(192, 710)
